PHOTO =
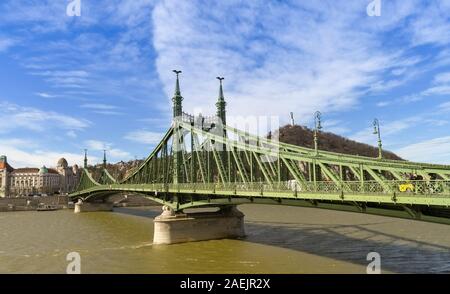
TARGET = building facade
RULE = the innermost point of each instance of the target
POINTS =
(35, 181)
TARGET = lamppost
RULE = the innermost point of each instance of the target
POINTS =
(376, 131)
(317, 128)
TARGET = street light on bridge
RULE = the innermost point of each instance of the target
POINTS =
(376, 131)
(317, 128)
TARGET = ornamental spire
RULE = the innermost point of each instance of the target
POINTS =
(220, 88)
(104, 158)
(85, 158)
(221, 104)
(177, 98)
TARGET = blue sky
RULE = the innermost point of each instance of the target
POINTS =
(104, 80)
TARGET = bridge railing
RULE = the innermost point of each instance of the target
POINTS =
(357, 187)
(292, 188)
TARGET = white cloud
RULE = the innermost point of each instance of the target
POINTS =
(335, 126)
(433, 151)
(44, 16)
(62, 73)
(99, 106)
(389, 129)
(114, 64)
(441, 78)
(440, 86)
(432, 25)
(445, 106)
(19, 156)
(6, 43)
(437, 122)
(308, 55)
(96, 145)
(37, 120)
(384, 103)
(108, 112)
(71, 134)
(132, 12)
(46, 95)
(104, 109)
(438, 90)
(144, 137)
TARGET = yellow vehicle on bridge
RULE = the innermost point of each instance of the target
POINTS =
(406, 187)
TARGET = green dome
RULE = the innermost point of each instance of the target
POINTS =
(43, 170)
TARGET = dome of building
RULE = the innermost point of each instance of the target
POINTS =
(43, 170)
(75, 168)
(62, 163)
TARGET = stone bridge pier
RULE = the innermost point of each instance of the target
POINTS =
(171, 227)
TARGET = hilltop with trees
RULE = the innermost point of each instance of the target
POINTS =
(304, 137)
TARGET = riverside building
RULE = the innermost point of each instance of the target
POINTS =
(32, 181)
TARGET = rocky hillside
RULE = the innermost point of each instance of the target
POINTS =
(303, 136)
(117, 170)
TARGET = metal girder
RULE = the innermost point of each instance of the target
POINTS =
(240, 165)
(294, 173)
(397, 175)
(445, 177)
(328, 173)
(263, 169)
(184, 157)
(333, 177)
(106, 178)
(424, 175)
(354, 172)
(385, 165)
(199, 156)
(377, 178)
(86, 181)
(298, 171)
(219, 164)
(158, 147)
(355, 159)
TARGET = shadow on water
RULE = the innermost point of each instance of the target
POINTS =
(145, 211)
(352, 243)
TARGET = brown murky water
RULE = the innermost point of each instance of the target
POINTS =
(280, 240)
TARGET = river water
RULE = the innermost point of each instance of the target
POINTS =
(279, 240)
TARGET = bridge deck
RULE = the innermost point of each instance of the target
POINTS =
(439, 196)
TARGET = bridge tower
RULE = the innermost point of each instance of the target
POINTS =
(221, 114)
(221, 104)
(177, 115)
(177, 98)
(85, 159)
(175, 227)
(104, 159)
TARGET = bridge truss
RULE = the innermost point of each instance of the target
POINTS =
(201, 162)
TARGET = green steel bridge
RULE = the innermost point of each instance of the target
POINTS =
(202, 162)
